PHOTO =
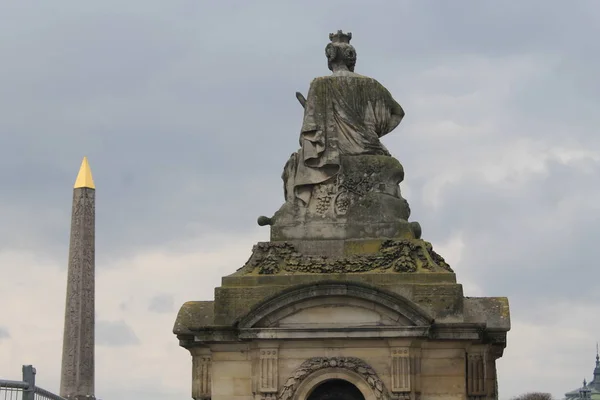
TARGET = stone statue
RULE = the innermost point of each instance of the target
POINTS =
(343, 182)
(345, 114)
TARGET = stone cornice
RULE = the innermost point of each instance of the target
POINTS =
(458, 331)
(335, 333)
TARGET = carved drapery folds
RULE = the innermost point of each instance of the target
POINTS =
(406, 373)
(201, 367)
(268, 373)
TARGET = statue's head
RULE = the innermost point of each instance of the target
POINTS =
(340, 52)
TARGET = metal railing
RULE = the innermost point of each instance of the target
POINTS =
(25, 389)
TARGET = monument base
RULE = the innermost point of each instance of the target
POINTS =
(344, 256)
(300, 314)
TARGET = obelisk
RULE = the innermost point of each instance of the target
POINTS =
(77, 372)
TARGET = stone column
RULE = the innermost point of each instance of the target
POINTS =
(77, 372)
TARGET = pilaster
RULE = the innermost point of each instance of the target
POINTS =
(268, 371)
(481, 372)
(405, 372)
(201, 373)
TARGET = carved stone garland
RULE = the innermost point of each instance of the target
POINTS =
(395, 255)
(318, 363)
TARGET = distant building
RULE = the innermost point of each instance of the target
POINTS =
(589, 390)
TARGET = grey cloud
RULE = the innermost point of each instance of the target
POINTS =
(161, 303)
(4, 333)
(156, 104)
(115, 334)
(531, 245)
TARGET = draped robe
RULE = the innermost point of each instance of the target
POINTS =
(345, 114)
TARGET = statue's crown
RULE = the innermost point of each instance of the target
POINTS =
(340, 37)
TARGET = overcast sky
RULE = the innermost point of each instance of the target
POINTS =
(186, 110)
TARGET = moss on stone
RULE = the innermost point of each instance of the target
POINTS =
(193, 314)
(352, 247)
(393, 256)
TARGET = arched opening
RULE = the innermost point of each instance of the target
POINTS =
(336, 389)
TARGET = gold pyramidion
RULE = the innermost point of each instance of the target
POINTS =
(84, 177)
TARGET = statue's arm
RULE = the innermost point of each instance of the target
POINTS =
(394, 111)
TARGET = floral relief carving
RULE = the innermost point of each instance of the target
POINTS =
(405, 255)
(349, 363)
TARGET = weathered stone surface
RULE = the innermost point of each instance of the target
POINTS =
(343, 182)
(400, 281)
(201, 373)
(298, 298)
(405, 255)
(241, 303)
(363, 201)
(77, 371)
(493, 310)
(232, 303)
(241, 294)
(354, 364)
(193, 315)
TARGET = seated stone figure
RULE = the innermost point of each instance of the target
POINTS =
(343, 183)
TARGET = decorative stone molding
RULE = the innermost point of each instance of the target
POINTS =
(482, 380)
(406, 255)
(297, 294)
(353, 364)
(201, 379)
(401, 371)
(268, 372)
(406, 373)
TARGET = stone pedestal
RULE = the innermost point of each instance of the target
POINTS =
(288, 321)
(345, 297)
(363, 200)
